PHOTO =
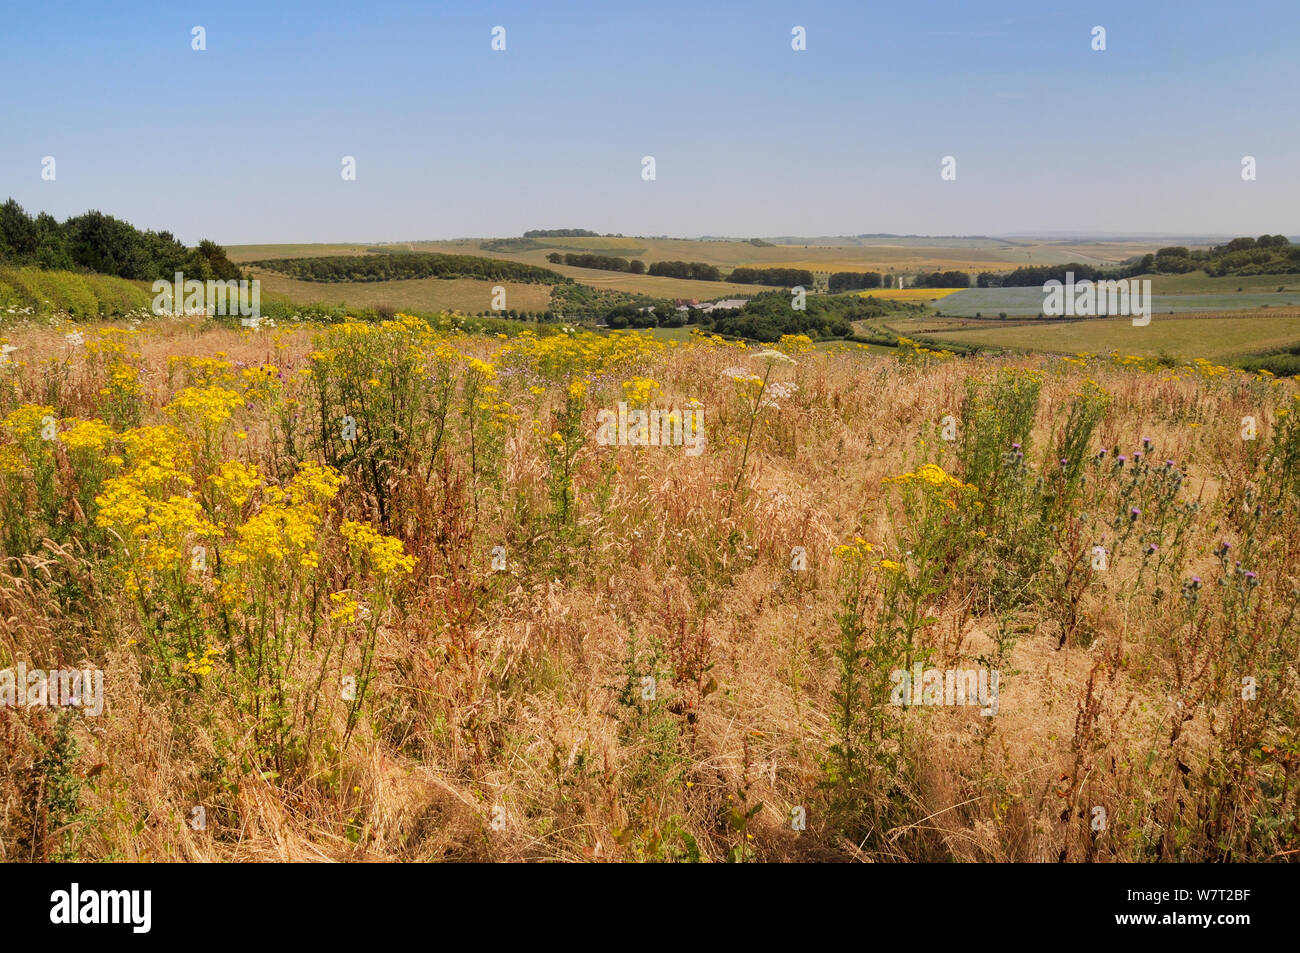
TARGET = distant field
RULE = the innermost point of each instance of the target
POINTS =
(899, 255)
(422, 294)
(1216, 337)
(1029, 301)
(658, 287)
(910, 294)
(1182, 294)
(905, 255)
(242, 253)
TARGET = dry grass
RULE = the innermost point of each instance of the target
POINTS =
(506, 717)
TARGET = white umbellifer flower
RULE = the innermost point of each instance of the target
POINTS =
(779, 391)
(774, 357)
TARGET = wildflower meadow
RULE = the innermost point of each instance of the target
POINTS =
(386, 590)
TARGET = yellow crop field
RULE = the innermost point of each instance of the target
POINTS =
(910, 294)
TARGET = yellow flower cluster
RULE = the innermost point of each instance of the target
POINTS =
(795, 344)
(202, 371)
(203, 664)
(386, 552)
(12, 459)
(1209, 369)
(162, 528)
(640, 391)
(158, 457)
(26, 422)
(859, 549)
(87, 435)
(346, 610)
(235, 482)
(261, 383)
(580, 353)
(287, 523)
(931, 474)
(212, 405)
(149, 505)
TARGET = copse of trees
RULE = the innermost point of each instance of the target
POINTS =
(393, 267)
(853, 281)
(661, 315)
(1265, 255)
(1246, 244)
(942, 279)
(1175, 260)
(602, 262)
(778, 277)
(1035, 275)
(694, 270)
(560, 233)
(105, 245)
(767, 316)
(576, 301)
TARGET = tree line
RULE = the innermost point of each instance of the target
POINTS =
(694, 270)
(560, 233)
(767, 316)
(106, 245)
(602, 262)
(780, 277)
(407, 265)
(853, 281)
(942, 279)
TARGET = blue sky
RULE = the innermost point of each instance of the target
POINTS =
(243, 142)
